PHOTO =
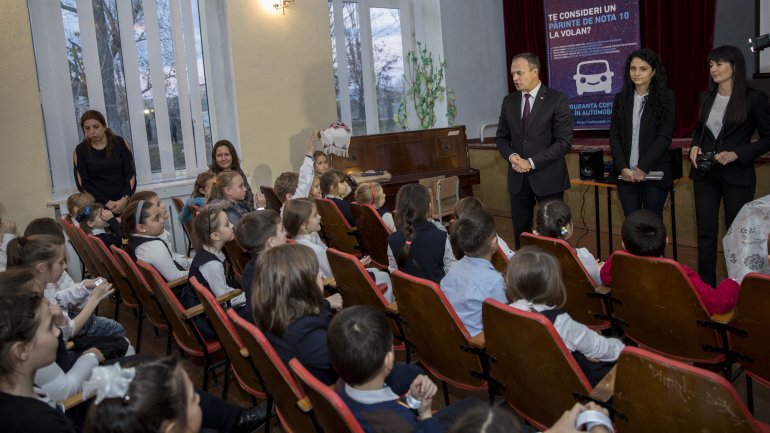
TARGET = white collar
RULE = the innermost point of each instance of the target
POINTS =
(371, 396)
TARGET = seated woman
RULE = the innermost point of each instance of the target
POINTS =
(28, 342)
(225, 157)
(104, 165)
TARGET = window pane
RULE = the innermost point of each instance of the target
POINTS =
(145, 84)
(202, 80)
(335, 64)
(172, 88)
(74, 48)
(355, 73)
(388, 64)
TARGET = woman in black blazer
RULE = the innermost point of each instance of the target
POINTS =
(722, 152)
(640, 133)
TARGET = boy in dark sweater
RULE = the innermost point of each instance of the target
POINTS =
(361, 351)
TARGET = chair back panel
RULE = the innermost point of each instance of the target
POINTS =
(271, 198)
(184, 334)
(331, 412)
(281, 384)
(236, 256)
(435, 331)
(752, 316)
(117, 276)
(98, 261)
(660, 308)
(73, 233)
(538, 371)
(579, 284)
(500, 261)
(447, 194)
(658, 394)
(373, 232)
(143, 292)
(229, 339)
(336, 227)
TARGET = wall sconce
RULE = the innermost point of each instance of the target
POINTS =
(282, 5)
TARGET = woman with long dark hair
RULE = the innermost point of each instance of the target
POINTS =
(722, 152)
(104, 165)
(225, 157)
(640, 133)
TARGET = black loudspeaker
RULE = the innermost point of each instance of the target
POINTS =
(676, 163)
(592, 164)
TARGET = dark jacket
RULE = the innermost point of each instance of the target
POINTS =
(547, 138)
(427, 251)
(736, 138)
(655, 135)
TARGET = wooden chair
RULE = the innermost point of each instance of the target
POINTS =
(446, 195)
(150, 306)
(358, 288)
(120, 281)
(186, 334)
(584, 297)
(655, 393)
(101, 268)
(186, 226)
(77, 243)
(373, 233)
(236, 257)
(500, 261)
(248, 379)
(661, 311)
(331, 412)
(291, 404)
(752, 332)
(438, 336)
(271, 198)
(537, 373)
(336, 228)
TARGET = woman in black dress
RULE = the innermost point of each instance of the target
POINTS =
(104, 165)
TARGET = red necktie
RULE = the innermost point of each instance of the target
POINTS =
(525, 114)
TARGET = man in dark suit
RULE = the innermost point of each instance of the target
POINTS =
(533, 135)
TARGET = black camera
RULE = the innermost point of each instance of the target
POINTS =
(705, 162)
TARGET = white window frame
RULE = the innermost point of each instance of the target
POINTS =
(61, 126)
(371, 109)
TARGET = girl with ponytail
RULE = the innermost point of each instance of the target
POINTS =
(419, 246)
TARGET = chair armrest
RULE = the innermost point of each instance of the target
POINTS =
(193, 312)
(383, 287)
(604, 290)
(330, 282)
(304, 405)
(178, 282)
(392, 308)
(228, 296)
(605, 389)
(723, 318)
(244, 352)
(73, 400)
(478, 341)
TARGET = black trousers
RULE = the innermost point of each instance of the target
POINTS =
(710, 192)
(522, 206)
(635, 196)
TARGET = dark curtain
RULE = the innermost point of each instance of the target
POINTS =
(681, 31)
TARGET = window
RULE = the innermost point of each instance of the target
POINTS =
(140, 63)
(368, 78)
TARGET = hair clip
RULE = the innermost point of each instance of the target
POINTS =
(563, 231)
(86, 213)
(409, 242)
(110, 381)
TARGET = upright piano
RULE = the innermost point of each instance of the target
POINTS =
(410, 156)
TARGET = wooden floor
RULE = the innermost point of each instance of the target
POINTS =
(156, 345)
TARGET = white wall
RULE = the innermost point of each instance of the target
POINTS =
(474, 47)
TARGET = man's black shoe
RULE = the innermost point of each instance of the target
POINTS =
(252, 418)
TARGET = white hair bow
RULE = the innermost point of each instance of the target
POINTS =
(110, 381)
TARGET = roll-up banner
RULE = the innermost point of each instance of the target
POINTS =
(588, 42)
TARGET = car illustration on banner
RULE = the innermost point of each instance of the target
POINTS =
(593, 76)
